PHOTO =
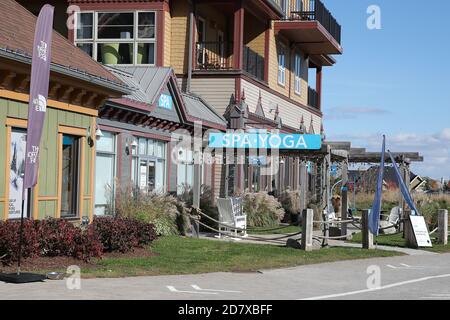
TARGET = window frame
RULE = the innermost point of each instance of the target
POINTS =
(298, 73)
(281, 68)
(113, 155)
(135, 41)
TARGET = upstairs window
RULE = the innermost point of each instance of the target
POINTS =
(281, 65)
(298, 74)
(113, 38)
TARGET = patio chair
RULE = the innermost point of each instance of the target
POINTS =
(231, 214)
(391, 220)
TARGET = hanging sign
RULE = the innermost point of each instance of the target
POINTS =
(265, 141)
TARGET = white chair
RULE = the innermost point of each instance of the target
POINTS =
(231, 215)
(391, 220)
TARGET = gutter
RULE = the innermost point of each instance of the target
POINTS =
(74, 73)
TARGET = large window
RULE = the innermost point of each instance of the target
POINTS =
(281, 65)
(149, 165)
(298, 74)
(70, 176)
(105, 163)
(117, 37)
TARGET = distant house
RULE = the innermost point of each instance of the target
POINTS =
(366, 180)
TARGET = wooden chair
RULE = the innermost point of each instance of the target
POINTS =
(231, 215)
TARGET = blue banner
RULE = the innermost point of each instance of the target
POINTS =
(403, 188)
(265, 141)
(374, 216)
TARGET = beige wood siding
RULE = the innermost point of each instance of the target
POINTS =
(254, 34)
(167, 39)
(216, 91)
(290, 113)
(179, 36)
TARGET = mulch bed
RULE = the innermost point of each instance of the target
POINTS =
(61, 263)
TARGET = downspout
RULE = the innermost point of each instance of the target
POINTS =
(190, 46)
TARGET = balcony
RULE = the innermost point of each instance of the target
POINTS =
(311, 25)
(313, 98)
(213, 55)
(218, 56)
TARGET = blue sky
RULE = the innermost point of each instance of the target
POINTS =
(393, 81)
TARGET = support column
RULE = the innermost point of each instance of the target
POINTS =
(367, 236)
(307, 231)
(319, 87)
(443, 226)
(238, 38)
(344, 197)
(303, 185)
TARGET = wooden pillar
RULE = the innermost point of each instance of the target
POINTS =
(410, 238)
(307, 233)
(238, 38)
(303, 185)
(344, 197)
(367, 236)
(443, 226)
(319, 87)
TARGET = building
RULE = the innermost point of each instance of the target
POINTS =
(246, 61)
(79, 86)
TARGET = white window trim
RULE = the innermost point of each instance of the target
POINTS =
(135, 41)
(282, 68)
(298, 77)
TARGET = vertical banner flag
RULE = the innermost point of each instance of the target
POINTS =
(40, 75)
(403, 188)
(374, 217)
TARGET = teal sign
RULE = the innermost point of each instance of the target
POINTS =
(283, 141)
(165, 101)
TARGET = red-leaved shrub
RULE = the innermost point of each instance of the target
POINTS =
(58, 237)
(122, 234)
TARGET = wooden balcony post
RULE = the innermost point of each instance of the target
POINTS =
(319, 87)
(238, 38)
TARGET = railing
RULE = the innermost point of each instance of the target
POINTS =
(213, 55)
(311, 10)
(253, 63)
(313, 98)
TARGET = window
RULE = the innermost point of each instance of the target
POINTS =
(298, 74)
(70, 176)
(149, 165)
(16, 171)
(104, 174)
(285, 7)
(185, 170)
(281, 65)
(117, 37)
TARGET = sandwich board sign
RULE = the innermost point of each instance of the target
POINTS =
(420, 231)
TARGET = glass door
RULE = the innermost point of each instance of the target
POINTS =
(70, 176)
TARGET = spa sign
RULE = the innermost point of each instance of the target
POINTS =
(283, 141)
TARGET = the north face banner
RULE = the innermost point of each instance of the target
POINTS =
(40, 74)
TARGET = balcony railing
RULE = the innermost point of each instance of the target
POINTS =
(253, 63)
(313, 98)
(311, 10)
(214, 55)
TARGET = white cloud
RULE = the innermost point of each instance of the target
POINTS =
(435, 148)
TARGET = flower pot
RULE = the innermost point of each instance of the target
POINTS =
(110, 53)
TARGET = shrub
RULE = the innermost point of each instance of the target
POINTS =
(9, 240)
(122, 234)
(53, 237)
(262, 209)
(168, 214)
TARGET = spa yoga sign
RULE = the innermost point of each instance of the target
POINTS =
(283, 141)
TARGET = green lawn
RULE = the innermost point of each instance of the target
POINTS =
(178, 255)
(396, 240)
(285, 230)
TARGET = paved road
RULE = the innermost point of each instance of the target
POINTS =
(407, 277)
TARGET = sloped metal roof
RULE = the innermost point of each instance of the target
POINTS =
(198, 108)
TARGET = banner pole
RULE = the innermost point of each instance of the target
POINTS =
(25, 192)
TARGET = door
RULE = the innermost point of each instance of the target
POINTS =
(221, 47)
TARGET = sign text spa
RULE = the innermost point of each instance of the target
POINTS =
(265, 141)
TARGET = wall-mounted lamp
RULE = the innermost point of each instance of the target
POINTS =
(98, 136)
